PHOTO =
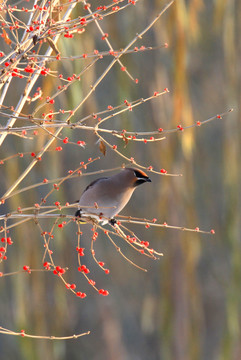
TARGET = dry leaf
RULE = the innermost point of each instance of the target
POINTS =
(35, 39)
(6, 37)
(53, 46)
(126, 140)
(102, 147)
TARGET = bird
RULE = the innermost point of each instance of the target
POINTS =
(105, 197)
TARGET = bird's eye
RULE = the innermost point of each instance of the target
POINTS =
(138, 174)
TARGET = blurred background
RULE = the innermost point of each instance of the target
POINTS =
(188, 304)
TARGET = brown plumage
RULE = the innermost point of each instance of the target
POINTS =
(105, 197)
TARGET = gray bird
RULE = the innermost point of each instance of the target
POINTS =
(105, 197)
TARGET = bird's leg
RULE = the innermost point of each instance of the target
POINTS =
(78, 213)
(112, 222)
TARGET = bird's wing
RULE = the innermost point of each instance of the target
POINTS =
(95, 182)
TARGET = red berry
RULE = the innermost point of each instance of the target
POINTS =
(80, 294)
(103, 292)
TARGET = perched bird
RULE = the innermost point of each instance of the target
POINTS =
(105, 197)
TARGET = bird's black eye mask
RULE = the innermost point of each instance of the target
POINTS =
(141, 178)
(139, 182)
(138, 174)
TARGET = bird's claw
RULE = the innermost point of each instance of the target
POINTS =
(112, 222)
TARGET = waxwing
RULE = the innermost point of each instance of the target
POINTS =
(107, 196)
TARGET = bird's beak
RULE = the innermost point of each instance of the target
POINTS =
(148, 179)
